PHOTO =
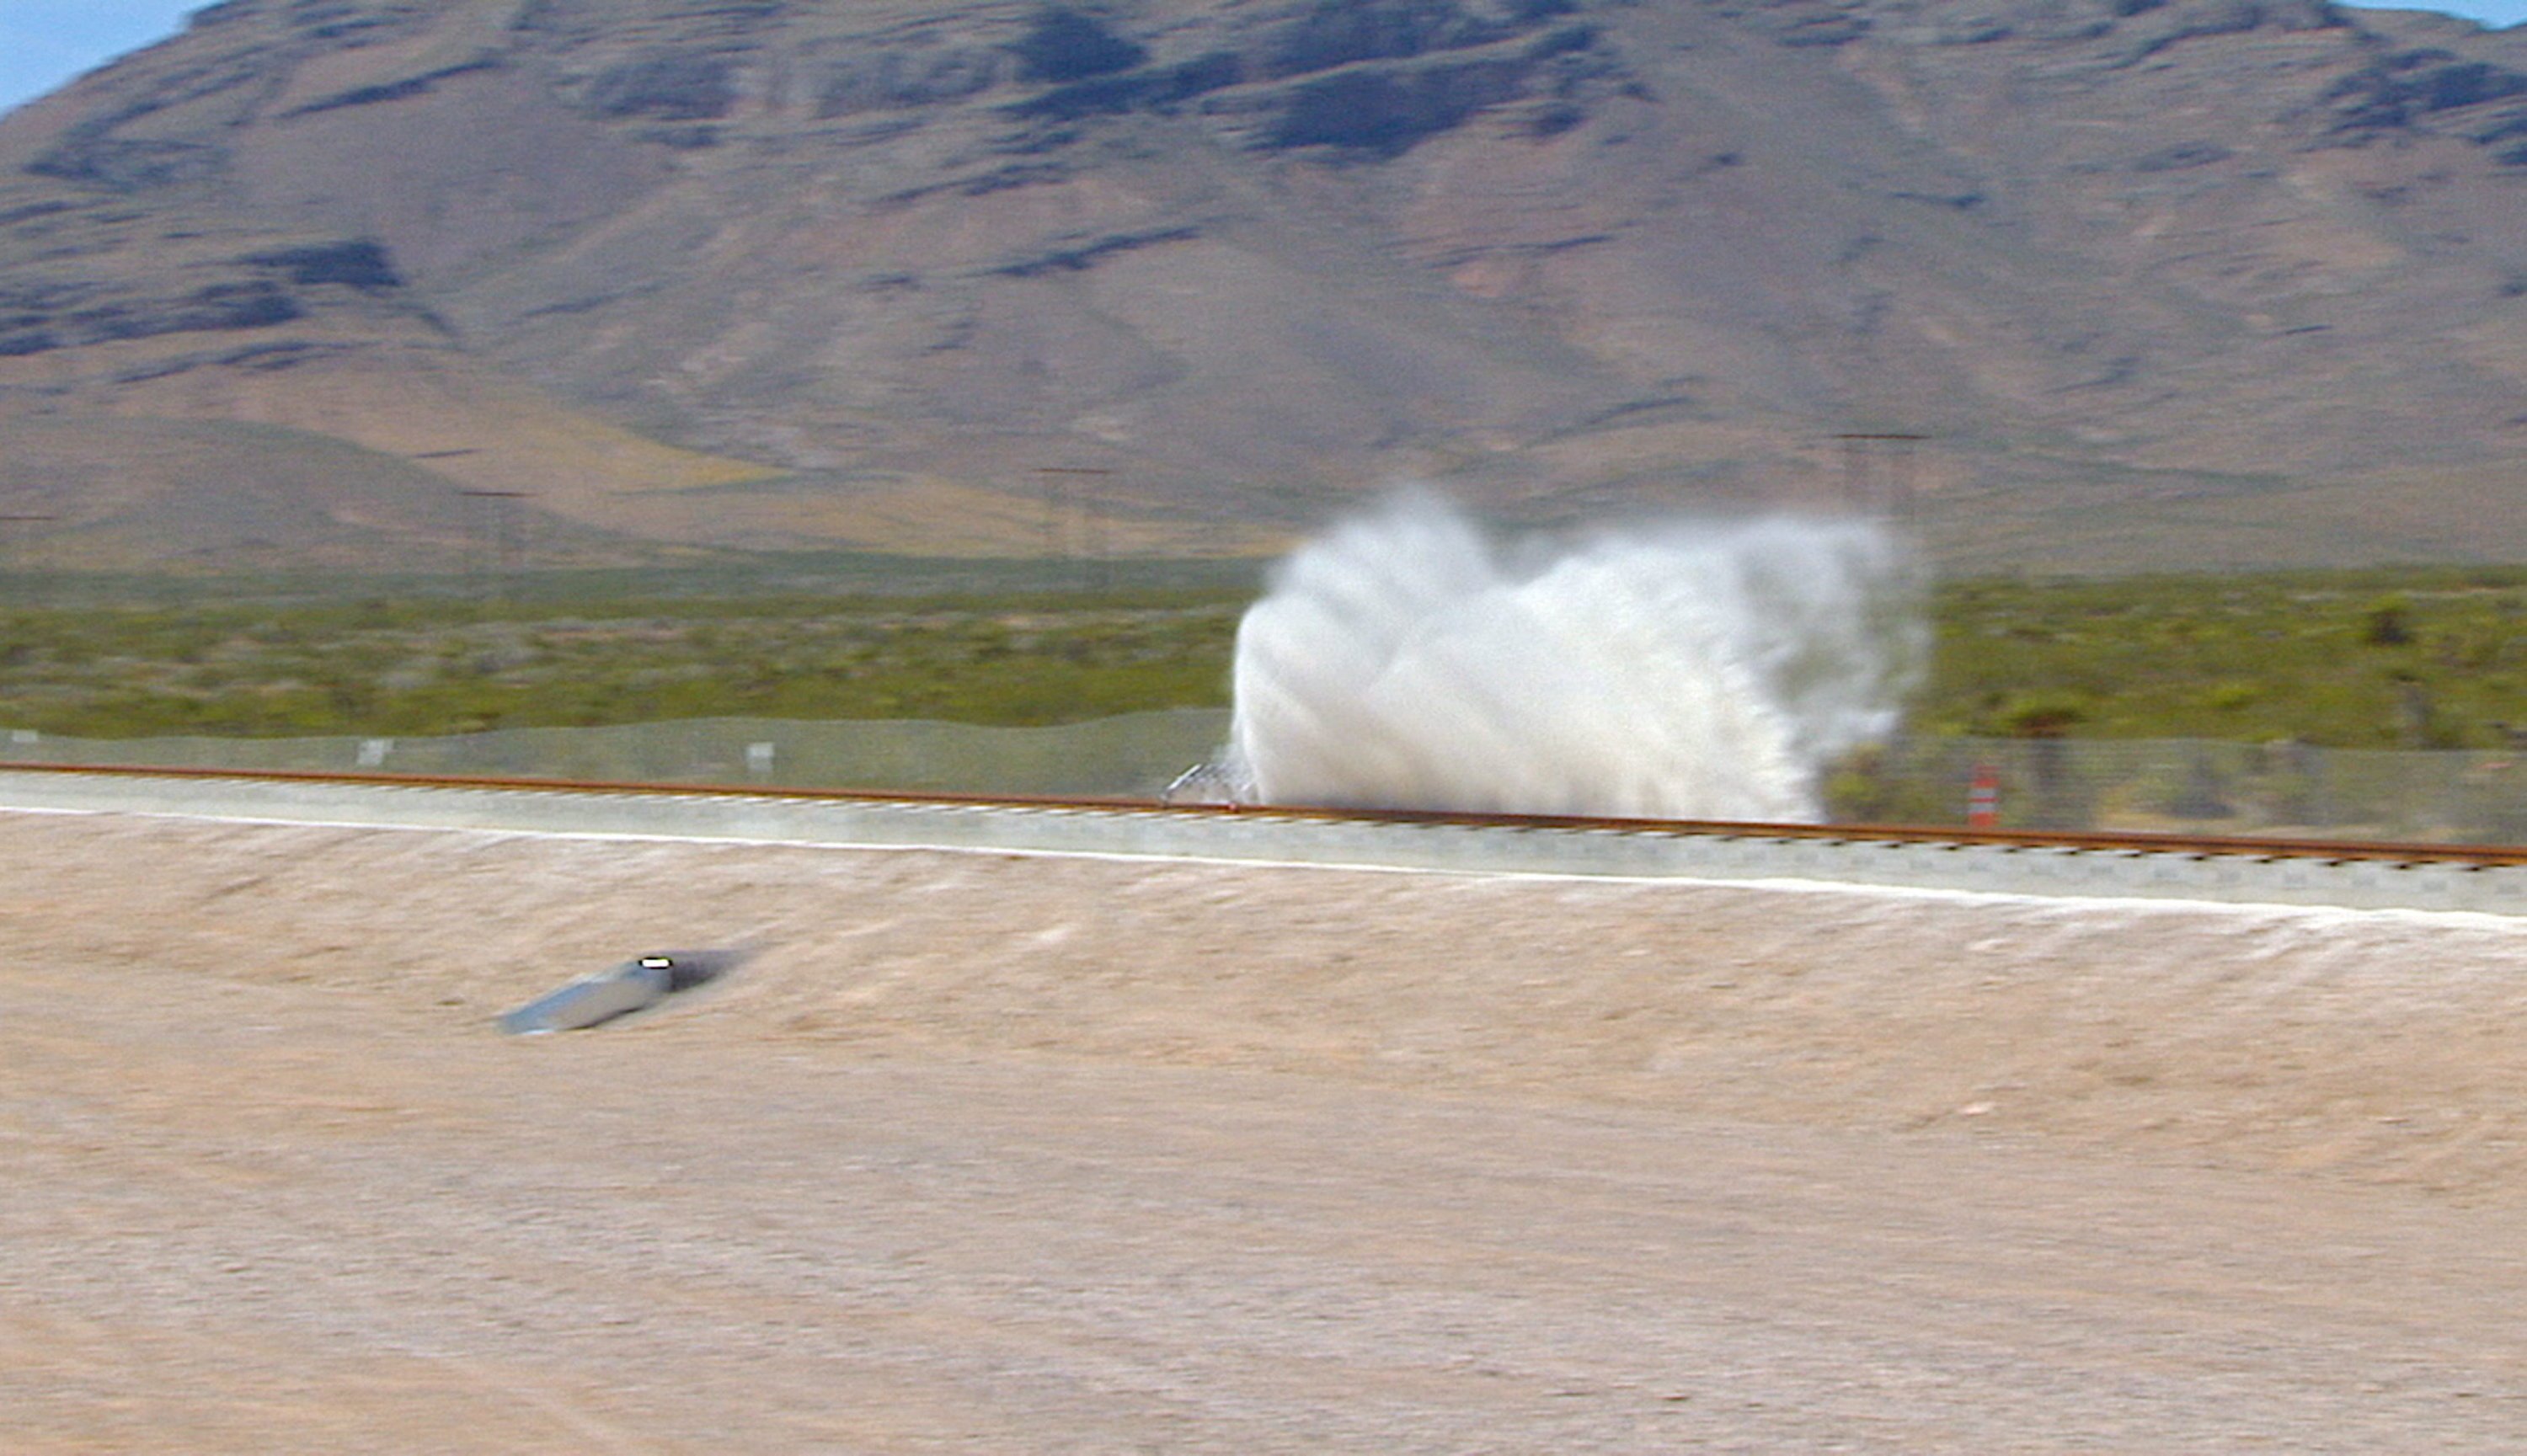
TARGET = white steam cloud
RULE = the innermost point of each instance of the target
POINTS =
(1689, 671)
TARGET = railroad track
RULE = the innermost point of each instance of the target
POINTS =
(2488, 879)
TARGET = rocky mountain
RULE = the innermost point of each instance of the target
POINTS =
(2155, 281)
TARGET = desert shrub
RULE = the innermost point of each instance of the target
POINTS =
(2291, 656)
(2389, 623)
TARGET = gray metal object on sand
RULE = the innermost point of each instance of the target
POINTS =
(642, 982)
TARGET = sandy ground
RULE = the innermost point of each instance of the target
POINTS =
(987, 1153)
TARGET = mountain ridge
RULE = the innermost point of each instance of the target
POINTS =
(2197, 283)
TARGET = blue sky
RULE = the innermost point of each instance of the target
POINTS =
(45, 42)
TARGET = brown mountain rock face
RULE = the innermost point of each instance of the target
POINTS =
(2188, 283)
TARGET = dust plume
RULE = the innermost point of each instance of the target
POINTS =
(1692, 670)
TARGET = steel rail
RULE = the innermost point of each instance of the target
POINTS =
(2193, 846)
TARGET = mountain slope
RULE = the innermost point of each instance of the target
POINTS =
(2186, 282)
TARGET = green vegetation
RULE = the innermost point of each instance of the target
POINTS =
(425, 667)
(2407, 658)
(2419, 658)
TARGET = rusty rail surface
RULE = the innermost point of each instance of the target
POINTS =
(2196, 846)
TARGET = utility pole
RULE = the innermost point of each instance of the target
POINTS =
(1878, 471)
(495, 528)
(1084, 516)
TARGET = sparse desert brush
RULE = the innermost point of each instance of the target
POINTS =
(2375, 659)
